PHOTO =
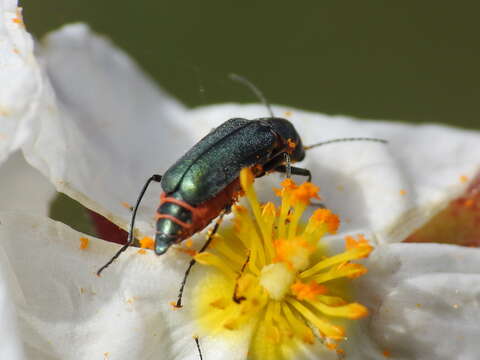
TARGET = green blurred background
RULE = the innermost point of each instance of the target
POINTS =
(414, 61)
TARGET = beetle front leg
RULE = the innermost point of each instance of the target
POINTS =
(203, 248)
(155, 178)
(295, 171)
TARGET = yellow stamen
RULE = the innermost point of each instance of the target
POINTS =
(349, 270)
(269, 217)
(350, 311)
(288, 186)
(302, 331)
(356, 250)
(308, 291)
(323, 325)
(210, 259)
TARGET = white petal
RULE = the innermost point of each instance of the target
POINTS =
(114, 128)
(425, 301)
(66, 312)
(363, 181)
(10, 341)
(21, 91)
(24, 188)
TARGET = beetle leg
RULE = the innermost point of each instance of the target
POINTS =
(192, 262)
(235, 297)
(197, 342)
(295, 171)
(156, 178)
(288, 166)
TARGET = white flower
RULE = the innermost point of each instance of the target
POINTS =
(92, 123)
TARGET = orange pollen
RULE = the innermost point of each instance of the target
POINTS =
(147, 243)
(325, 216)
(331, 345)
(291, 145)
(360, 243)
(285, 250)
(83, 243)
(190, 252)
(288, 184)
(126, 205)
(174, 306)
(309, 291)
(240, 209)
(305, 192)
(142, 251)
(463, 178)
(257, 170)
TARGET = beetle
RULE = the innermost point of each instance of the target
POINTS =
(205, 180)
(204, 183)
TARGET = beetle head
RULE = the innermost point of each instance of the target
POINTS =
(289, 136)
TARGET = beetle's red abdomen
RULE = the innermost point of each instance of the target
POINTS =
(178, 220)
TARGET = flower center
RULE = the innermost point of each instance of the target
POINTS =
(277, 280)
(273, 280)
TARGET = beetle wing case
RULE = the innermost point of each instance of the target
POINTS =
(216, 160)
(173, 176)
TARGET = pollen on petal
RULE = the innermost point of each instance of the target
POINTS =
(84, 243)
(126, 205)
(147, 243)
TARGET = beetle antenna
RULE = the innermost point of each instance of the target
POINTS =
(254, 89)
(344, 140)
